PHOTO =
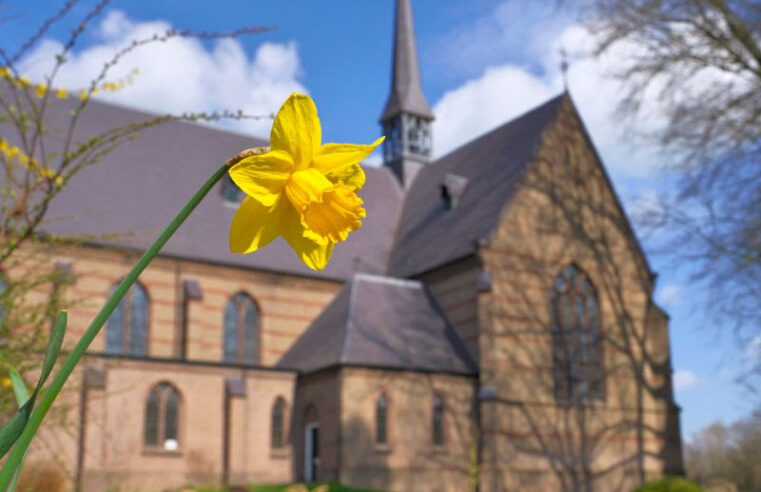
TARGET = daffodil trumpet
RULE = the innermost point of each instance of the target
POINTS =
(298, 188)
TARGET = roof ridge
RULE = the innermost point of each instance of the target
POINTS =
(452, 336)
(548, 102)
(530, 161)
(508, 150)
(383, 279)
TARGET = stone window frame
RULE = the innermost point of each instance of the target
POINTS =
(163, 389)
(590, 385)
(438, 398)
(283, 434)
(124, 309)
(241, 356)
(384, 445)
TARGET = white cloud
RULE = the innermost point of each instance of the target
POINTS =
(511, 26)
(181, 74)
(753, 349)
(375, 159)
(507, 90)
(479, 105)
(671, 294)
(685, 379)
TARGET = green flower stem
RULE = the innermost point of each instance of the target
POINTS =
(46, 401)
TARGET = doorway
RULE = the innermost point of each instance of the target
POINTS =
(311, 451)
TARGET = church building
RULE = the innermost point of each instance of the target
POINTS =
(491, 326)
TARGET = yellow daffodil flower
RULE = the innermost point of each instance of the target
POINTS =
(40, 90)
(61, 93)
(300, 189)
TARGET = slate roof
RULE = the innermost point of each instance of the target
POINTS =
(406, 91)
(381, 322)
(128, 198)
(489, 170)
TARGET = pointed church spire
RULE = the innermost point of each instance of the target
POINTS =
(407, 117)
(406, 91)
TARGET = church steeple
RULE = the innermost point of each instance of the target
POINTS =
(407, 117)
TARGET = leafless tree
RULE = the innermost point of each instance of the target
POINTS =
(698, 64)
(727, 452)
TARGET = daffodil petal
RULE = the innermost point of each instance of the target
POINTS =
(353, 176)
(255, 225)
(262, 177)
(315, 256)
(297, 130)
(334, 158)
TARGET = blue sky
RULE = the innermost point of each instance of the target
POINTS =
(483, 62)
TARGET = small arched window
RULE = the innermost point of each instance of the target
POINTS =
(241, 333)
(127, 328)
(576, 338)
(278, 424)
(162, 417)
(381, 420)
(438, 421)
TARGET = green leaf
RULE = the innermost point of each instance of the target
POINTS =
(14, 427)
(54, 348)
(22, 396)
(19, 387)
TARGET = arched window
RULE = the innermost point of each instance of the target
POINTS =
(278, 424)
(381, 420)
(576, 340)
(241, 333)
(127, 328)
(162, 417)
(438, 421)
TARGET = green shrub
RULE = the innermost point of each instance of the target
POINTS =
(669, 484)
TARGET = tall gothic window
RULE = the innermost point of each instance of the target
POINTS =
(241, 332)
(278, 424)
(162, 416)
(127, 328)
(381, 420)
(576, 339)
(438, 421)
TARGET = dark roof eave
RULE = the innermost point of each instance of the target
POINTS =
(205, 261)
(188, 362)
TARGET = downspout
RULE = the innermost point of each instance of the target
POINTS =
(234, 387)
(92, 378)
(226, 438)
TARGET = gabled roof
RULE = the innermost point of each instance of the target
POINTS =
(128, 198)
(491, 166)
(406, 90)
(384, 323)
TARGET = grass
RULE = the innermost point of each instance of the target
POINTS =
(333, 487)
